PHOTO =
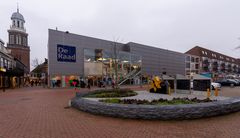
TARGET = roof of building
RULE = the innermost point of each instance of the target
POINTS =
(18, 16)
(1, 41)
(203, 52)
(41, 67)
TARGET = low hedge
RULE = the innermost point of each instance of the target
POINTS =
(174, 101)
(111, 93)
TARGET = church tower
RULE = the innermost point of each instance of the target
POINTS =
(18, 39)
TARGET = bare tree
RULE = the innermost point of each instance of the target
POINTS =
(35, 62)
(115, 57)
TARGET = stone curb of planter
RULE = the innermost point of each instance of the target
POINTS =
(161, 112)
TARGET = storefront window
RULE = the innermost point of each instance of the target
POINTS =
(56, 81)
(136, 62)
(93, 62)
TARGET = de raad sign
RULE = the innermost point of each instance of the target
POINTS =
(66, 53)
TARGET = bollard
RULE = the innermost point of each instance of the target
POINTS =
(208, 93)
(69, 103)
(169, 91)
(216, 92)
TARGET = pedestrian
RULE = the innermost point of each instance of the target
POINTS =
(88, 84)
(167, 86)
(113, 84)
(31, 83)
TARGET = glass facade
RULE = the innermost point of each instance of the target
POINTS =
(103, 65)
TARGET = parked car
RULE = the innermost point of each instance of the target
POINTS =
(238, 81)
(227, 82)
(215, 85)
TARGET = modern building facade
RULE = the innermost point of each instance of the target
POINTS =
(213, 62)
(74, 56)
(18, 40)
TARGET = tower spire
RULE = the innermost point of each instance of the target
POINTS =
(17, 8)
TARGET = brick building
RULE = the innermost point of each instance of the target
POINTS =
(214, 62)
(18, 40)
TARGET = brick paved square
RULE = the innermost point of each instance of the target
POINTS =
(40, 113)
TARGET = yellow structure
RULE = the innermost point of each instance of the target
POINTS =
(155, 84)
(14, 83)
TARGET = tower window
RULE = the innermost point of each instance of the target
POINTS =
(17, 39)
(24, 41)
(11, 39)
(18, 23)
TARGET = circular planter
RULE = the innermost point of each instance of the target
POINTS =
(161, 112)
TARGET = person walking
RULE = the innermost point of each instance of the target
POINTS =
(167, 86)
(88, 84)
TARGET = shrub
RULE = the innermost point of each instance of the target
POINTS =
(174, 101)
(111, 93)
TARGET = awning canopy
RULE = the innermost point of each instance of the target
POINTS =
(200, 77)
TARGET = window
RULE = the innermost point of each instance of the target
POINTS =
(197, 59)
(5, 63)
(193, 66)
(11, 39)
(9, 64)
(197, 66)
(188, 65)
(19, 40)
(192, 59)
(18, 24)
(24, 41)
(187, 58)
(202, 52)
(205, 53)
(1, 62)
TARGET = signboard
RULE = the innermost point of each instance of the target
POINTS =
(66, 53)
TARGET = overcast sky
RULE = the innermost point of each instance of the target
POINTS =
(170, 24)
